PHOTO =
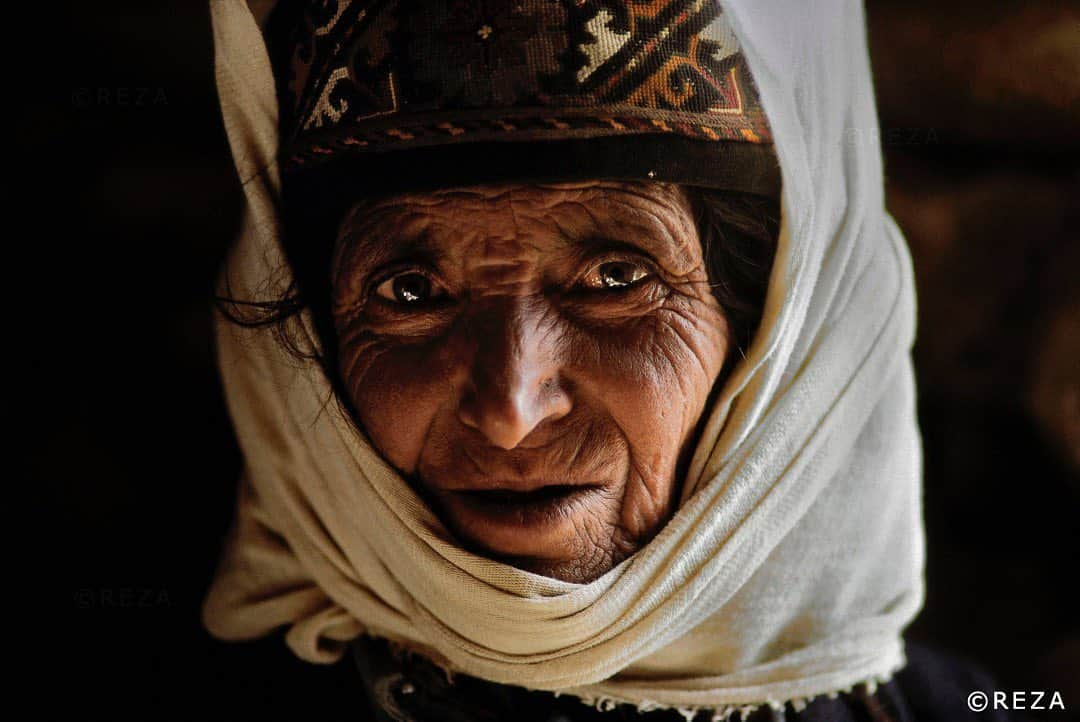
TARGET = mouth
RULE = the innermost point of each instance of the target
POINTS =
(513, 498)
(522, 523)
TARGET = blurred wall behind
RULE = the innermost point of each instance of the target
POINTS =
(980, 113)
(132, 202)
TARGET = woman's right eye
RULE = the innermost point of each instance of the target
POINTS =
(409, 288)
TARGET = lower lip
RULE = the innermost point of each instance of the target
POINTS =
(521, 524)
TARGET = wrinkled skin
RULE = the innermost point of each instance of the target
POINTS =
(535, 358)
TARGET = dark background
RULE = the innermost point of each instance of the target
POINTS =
(130, 200)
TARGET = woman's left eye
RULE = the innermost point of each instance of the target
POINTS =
(614, 275)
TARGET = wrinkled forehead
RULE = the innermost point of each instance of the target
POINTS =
(506, 196)
(655, 217)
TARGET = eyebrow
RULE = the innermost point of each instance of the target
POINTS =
(378, 240)
(370, 248)
(606, 243)
(661, 247)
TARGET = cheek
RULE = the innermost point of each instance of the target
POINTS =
(654, 378)
(397, 391)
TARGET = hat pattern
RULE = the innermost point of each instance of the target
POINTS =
(371, 75)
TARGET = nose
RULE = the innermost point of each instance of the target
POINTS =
(514, 384)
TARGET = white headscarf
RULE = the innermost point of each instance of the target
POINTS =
(795, 558)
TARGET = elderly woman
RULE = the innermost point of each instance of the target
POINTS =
(536, 385)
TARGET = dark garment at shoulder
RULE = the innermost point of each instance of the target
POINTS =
(936, 688)
(933, 687)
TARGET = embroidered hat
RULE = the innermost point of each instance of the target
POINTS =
(459, 92)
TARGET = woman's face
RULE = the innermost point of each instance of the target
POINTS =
(534, 357)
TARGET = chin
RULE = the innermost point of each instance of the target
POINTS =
(575, 571)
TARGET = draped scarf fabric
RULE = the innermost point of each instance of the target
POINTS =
(795, 558)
